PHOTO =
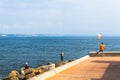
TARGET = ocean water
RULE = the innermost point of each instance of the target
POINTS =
(15, 51)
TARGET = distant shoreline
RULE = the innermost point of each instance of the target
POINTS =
(47, 35)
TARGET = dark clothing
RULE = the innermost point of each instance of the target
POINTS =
(102, 48)
(100, 51)
(26, 66)
(61, 55)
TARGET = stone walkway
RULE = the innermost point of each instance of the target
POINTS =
(93, 68)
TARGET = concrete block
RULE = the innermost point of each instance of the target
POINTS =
(105, 54)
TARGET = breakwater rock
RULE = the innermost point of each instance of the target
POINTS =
(31, 72)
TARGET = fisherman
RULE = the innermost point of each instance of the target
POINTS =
(61, 55)
(26, 65)
(102, 48)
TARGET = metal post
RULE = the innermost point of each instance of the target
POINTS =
(99, 37)
(98, 44)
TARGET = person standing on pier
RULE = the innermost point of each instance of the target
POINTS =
(62, 55)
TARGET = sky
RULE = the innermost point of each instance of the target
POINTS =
(61, 17)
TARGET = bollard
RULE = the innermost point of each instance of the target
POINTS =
(61, 55)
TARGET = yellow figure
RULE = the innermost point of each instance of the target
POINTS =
(102, 47)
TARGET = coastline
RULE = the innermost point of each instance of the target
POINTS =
(58, 69)
(48, 70)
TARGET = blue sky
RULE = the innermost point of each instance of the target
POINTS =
(63, 17)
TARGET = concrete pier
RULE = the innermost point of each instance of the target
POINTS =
(96, 67)
(93, 68)
(57, 70)
(105, 54)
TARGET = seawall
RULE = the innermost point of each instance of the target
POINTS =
(104, 66)
(53, 72)
(105, 54)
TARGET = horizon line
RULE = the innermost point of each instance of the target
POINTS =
(55, 35)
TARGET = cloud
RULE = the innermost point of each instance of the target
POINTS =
(38, 9)
(49, 16)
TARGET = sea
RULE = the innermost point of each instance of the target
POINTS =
(16, 51)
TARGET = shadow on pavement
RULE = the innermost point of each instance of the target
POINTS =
(112, 72)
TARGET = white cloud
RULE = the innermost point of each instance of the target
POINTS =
(67, 16)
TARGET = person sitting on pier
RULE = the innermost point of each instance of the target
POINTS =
(102, 48)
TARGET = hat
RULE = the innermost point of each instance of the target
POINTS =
(26, 63)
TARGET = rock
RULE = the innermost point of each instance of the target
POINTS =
(14, 78)
(13, 73)
(29, 75)
(28, 71)
(21, 76)
(51, 66)
(70, 60)
(48, 67)
(45, 67)
(37, 71)
(49, 63)
(59, 63)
